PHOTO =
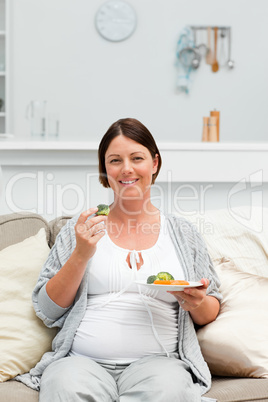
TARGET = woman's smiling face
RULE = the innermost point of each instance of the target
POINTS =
(129, 166)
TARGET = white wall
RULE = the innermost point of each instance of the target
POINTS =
(57, 55)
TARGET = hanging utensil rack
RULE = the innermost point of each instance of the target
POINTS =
(200, 27)
(224, 30)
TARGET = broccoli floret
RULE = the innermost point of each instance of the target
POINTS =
(164, 276)
(151, 279)
(103, 209)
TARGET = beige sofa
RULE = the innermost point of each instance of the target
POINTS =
(14, 228)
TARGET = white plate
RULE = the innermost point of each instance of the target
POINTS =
(172, 288)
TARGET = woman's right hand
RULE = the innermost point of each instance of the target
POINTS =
(88, 232)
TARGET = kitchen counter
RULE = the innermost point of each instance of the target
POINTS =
(182, 162)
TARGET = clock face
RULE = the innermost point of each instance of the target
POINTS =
(115, 20)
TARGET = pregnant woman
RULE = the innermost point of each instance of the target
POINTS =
(118, 340)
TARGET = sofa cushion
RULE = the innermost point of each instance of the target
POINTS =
(226, 389)
(16, 227)
(55, 226)
(26, 338)
(14, 391)
(240, 234)
(235, 344)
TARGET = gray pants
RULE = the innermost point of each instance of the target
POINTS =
(153, 378)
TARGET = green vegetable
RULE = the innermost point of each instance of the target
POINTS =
(103, 209)
(151, 279)
(161, 276)
(164, 276)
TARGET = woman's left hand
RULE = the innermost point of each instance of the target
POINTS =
(191, 298)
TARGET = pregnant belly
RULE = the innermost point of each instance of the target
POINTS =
(121, 331)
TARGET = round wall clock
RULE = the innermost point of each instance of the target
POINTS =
(116, 20)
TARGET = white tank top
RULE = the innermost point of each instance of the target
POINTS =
(123, 321)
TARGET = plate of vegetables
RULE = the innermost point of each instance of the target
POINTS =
(165, 281)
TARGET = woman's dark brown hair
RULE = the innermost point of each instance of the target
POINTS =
(136, 131)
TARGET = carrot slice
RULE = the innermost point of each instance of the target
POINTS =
(170, 282)
(177, 282)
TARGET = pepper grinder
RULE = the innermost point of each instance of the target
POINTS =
(205, 135)
(216, 113)
(213, 129)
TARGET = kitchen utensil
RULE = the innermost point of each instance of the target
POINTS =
(215, 64)
(196, 60)
(222, 57)
(202, 49)
(230, 63)
(36, 113)
(197, 56)
(190, 57)
(209, 56)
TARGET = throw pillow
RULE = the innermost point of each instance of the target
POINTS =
(24, 338)
(239, 233)
(235, 344)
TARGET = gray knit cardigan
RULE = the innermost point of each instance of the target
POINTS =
(196, 263)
